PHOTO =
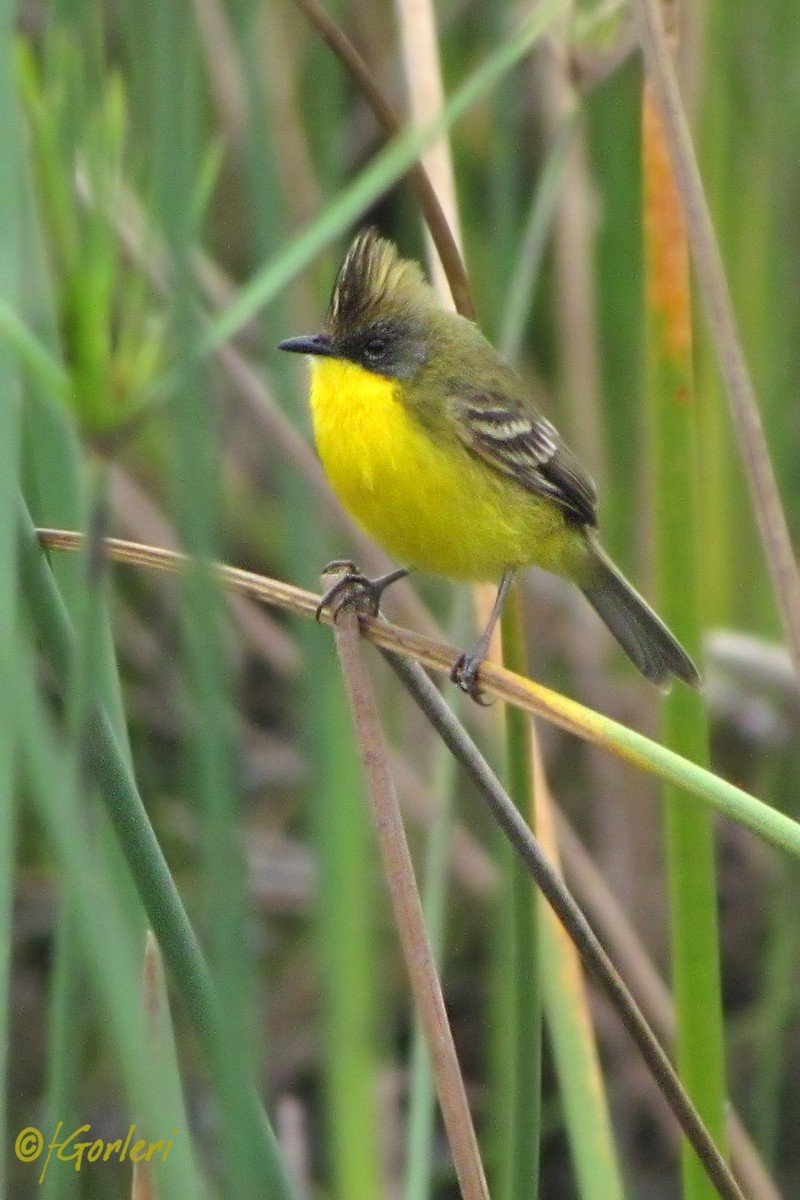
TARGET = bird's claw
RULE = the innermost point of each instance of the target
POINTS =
(337, 565)
(465, 675)
(355, 589)
(351, 590)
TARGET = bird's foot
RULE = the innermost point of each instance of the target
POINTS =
(465, 674)
(354, 589)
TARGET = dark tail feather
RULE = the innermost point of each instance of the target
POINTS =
(642, 635)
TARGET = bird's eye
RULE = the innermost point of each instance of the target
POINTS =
(375, 347)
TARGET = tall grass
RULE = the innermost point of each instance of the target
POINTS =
(689, 831)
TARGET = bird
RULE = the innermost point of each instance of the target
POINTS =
(432, 442)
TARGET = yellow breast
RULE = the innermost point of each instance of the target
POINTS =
(430, 505)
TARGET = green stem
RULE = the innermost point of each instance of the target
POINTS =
(422, 1095)
(689, 828)
(527, 992)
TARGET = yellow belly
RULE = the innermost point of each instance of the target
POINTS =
(439, 511)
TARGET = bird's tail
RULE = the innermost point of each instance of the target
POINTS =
(642, 635)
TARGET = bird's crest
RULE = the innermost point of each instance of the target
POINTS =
(374, 280)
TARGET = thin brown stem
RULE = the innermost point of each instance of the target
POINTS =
(407, 908)
(567, 714)
(421, 58)
(417, 175)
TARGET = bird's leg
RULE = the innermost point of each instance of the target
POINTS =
(353, 587)
(465, 671)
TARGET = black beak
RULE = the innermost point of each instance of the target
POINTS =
(308, 343)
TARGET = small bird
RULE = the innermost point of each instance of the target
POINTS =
(431, 441)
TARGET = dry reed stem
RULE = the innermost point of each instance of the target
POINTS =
(494, 680)
(407, 908)
(417, 175)
(435, 655)
(422, 68)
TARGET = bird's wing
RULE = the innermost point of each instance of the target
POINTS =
(524, 446)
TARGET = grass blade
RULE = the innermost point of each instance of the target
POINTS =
(525, 1035)
(690, 842)
(569, 1022)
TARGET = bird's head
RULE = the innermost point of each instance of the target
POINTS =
(380, 314)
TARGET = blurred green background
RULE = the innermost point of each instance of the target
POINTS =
(154, 160)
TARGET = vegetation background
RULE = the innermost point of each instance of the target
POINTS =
(176, 190)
